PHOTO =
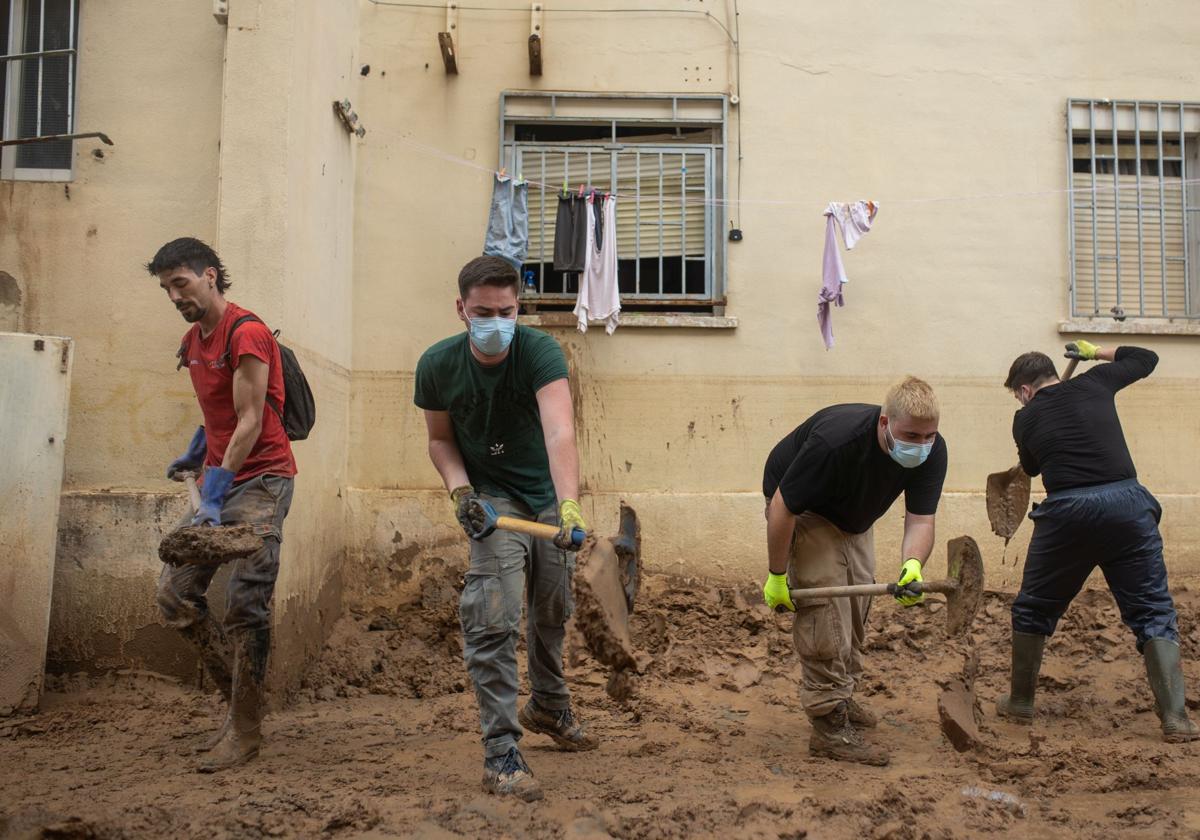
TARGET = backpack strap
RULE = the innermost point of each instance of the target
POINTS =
(228, 346)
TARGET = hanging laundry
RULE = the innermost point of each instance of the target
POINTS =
(508, 221)
(570, 233)
(854, 221)
(599, 297)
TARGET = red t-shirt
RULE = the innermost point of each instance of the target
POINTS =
(212, 380)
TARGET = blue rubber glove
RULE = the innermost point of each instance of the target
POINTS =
(217, 481)
(193, 459)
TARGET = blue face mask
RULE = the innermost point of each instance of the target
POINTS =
(491, 336)
(908, 455)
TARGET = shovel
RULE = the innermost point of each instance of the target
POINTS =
(485, 520)
(1008, 491)
(963, 587)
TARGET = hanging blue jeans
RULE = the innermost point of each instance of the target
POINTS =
(508, 222)
(1113, 526)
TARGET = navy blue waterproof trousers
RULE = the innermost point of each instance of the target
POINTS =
(1113, 526)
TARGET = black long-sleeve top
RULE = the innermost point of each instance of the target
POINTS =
(1070, 432)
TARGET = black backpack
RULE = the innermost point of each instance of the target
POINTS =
(299, 412)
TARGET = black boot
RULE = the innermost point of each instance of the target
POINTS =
(1166, 681)
(243, 736)
(1017, 705)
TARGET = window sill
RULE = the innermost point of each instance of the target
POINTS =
(1131, 326)
(673, 320)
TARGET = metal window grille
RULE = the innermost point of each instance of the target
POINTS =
(37, 85)
(664, 160)
(1133, 204)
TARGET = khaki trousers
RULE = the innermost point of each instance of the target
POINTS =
(829, 634)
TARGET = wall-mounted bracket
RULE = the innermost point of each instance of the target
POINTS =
(349, 119)
(221, 11)
(446, 39)
(535, 40)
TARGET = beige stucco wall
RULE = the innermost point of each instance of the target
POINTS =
(910, 104)
(227, 135)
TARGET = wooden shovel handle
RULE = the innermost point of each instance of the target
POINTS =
(524, 526)
(821, 592)
(193, 492)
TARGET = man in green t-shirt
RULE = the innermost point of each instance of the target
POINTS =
(501, 429)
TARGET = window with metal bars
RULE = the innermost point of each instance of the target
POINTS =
(1134, 203)
(37, 86)
(663, 158)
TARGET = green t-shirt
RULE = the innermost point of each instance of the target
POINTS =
(495, 412)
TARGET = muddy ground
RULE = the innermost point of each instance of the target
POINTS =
(384, 743)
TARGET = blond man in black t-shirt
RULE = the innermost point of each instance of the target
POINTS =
(826, 484)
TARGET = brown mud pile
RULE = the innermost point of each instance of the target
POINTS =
(207, 546)
(712, 744)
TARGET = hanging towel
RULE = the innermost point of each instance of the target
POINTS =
(599, 298)
(854, 220)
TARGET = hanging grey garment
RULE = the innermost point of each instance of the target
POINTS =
(508, 222)
(570, 233)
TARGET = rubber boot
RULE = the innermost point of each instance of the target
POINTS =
(241, 740)
(833, 736)
(1166, 681)
(1017, 705)
(210, 642)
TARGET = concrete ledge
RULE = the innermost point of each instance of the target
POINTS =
(1131, 326)
(675, 320)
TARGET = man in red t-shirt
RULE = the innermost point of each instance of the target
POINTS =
(248, 472)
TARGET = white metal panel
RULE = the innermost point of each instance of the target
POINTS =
(35, 385)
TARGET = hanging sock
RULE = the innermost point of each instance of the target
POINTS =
(599, 297)
(854, 221)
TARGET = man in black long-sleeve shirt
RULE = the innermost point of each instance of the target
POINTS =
(1095, 514)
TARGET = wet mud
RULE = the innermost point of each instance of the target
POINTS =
(207, 546)
(384, 741)
(1007, 501)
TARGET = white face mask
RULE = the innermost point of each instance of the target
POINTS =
(908, 455)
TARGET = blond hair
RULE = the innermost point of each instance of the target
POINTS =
(912, 398)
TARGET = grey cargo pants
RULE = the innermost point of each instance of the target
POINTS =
(490, 611)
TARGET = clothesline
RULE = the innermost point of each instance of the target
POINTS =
(718, 202)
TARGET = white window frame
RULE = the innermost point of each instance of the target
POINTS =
(9, 119)
(628, 109)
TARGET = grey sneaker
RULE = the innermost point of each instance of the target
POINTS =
(562, 726)
(509, 775)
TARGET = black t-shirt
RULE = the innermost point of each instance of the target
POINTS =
(1070, 432)
(833, 466)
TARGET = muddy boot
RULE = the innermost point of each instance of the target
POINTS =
(509, 775)
(1017, 705)
(833, 736)
(562, 726)
(860, 716)
(209, 640)
(1166, 681)
(241, 740)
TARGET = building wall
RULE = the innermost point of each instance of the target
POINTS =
(233, 140)
(925, 108)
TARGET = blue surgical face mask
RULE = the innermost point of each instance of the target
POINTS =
(491, 336)
(908, 455)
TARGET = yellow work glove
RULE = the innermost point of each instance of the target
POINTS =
(1081, 349)
(570, 517)
(776, 593)
(910, 572)
(463, 498)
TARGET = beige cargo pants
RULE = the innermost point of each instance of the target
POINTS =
(829, 634)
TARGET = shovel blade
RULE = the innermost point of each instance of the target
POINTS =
(964, 563)
(1007, 501)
